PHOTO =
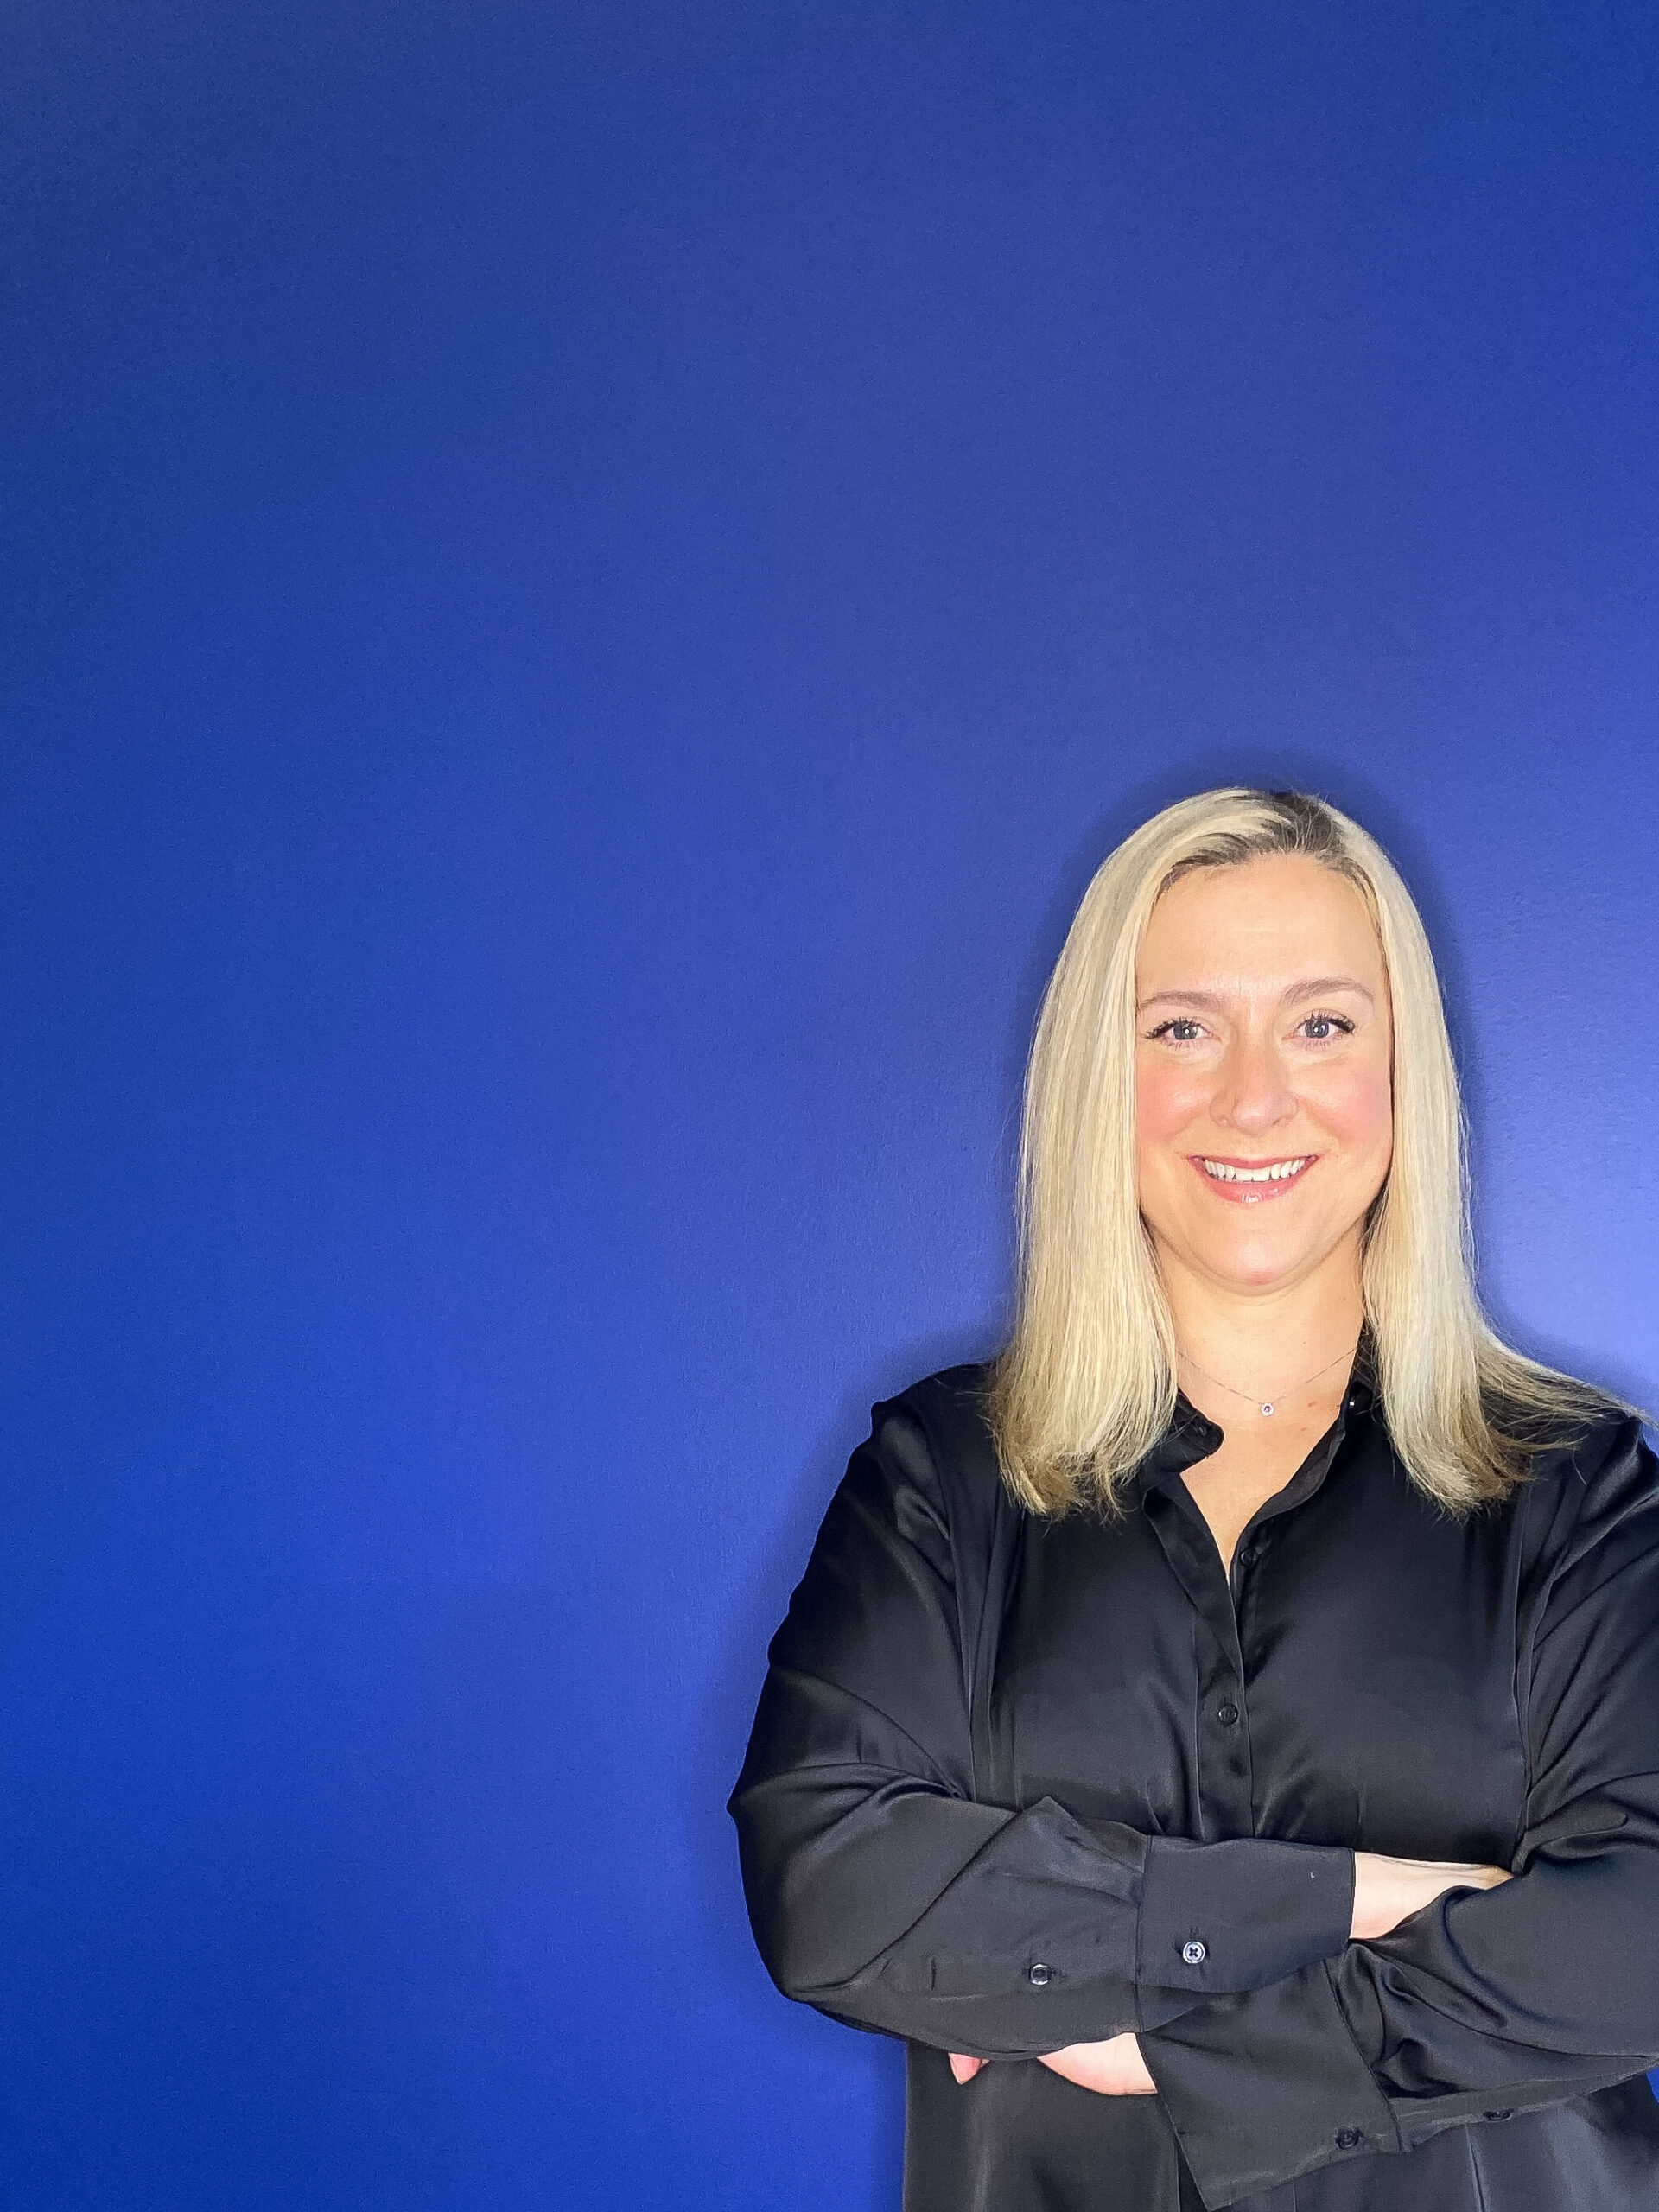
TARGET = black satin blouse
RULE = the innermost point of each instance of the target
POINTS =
(1015, 1784)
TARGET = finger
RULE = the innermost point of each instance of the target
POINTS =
(964, 2068)
(1078, 2062)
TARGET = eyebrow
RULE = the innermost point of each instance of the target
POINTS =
(1309, 986)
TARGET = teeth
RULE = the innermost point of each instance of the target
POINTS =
(1277, 1174)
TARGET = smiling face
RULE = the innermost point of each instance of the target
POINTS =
(1264, 1121)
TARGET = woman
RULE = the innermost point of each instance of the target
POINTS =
(1222, 1738)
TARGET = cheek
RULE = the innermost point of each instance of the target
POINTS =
(1166, 1099)
(1357, 1103)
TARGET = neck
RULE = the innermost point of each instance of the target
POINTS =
(1262, 1342)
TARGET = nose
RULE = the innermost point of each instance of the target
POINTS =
(1253, 1093)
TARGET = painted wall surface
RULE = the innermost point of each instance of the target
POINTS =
(583, 586)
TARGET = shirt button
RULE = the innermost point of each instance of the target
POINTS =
(1039, 1975)
(1506, 2113)
(1248, 1555)
(1195, 1953)
(1227, 1713)
(1349, 2139)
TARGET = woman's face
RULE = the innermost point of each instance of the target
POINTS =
(1262, 1043)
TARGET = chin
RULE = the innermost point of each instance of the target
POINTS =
(1258, 1265)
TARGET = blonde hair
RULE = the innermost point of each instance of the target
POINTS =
(1086, 1384)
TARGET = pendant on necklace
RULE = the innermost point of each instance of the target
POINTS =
(1267, 1410)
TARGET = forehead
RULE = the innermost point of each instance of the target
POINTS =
(1279, 915)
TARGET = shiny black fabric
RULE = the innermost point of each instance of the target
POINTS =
(1014, 1783)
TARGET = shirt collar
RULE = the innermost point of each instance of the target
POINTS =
(1191, 1436)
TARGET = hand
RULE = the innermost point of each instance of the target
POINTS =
(1388, 1890)
(1112, 2069)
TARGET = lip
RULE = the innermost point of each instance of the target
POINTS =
(1251, 1194)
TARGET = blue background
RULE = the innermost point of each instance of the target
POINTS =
(584, 587)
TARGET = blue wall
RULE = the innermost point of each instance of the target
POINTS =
(584, 585)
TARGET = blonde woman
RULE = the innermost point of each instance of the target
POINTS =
(1222, 1736)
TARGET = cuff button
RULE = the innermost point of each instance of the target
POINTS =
(1195, 1953)
(1349, 2139)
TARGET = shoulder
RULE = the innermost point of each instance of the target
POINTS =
(1615, 1470)
(1600, 1486)
(915, 1512)
(937, 1432)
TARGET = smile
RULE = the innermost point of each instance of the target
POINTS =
(1249, 1182)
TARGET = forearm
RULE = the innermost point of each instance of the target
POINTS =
(973, 1927)
(1478, 2008)
(1552, 1977)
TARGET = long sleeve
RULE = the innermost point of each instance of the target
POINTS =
(882, 1892)
(1487, 2003)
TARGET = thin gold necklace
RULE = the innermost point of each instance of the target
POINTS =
(1267, 1405)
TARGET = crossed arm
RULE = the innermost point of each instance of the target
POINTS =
(1344, 2004)
(1386, 1891)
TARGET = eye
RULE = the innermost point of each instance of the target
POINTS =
(1177, 1022)
(1328, 1023)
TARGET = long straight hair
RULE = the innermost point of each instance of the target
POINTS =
(1086, 1384)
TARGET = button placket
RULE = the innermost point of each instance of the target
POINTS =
(1224, 1764)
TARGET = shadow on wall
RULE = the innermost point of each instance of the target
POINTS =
(733, 1684)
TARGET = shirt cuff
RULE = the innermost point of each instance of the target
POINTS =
(1239, 1915)
(1267, 2085)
